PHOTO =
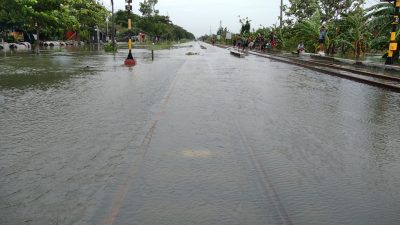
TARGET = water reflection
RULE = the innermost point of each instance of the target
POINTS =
(40, 71)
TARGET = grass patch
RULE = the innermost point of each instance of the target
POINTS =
(160, 46)
(109, 47)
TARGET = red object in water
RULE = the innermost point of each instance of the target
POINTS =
(130, 62)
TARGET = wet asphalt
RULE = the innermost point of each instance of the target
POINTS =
(192, 139)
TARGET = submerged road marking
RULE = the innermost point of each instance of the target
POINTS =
(120, 196)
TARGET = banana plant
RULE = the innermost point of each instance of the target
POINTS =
(307, 31)
(354, 33)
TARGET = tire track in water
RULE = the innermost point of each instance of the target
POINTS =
(123, 189)
(264, 179)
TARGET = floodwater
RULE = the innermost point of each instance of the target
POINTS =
(200, 139)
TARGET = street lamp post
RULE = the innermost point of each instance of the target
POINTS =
(129, 61)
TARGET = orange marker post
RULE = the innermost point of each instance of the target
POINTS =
(129, 61)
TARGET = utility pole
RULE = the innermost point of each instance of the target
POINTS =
(129, 61)
(112, 25)
(393, 42)
(281, 17)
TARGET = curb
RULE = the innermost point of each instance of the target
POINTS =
(341, 60)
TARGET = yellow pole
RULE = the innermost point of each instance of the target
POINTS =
(129, 60)
(129, 28)
(393, 42)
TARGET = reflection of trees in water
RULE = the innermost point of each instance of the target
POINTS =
(28, 80)
(23, 72)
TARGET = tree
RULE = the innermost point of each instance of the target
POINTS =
(13, 13)
(329, 9)
(153, 25)
(380, 23)
(122, 16)
(355, 32)
(301, 9)
(88, 12)
(52, 17)
(333, 9)
(245, 22)
(222, 31)
(307, 31)
(147, 7)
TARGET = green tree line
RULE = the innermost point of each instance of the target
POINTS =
(153, 25)
(352, 29)
(53, 18)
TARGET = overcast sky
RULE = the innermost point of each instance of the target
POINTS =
(198, 16)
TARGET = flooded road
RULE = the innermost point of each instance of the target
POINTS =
(201, 139)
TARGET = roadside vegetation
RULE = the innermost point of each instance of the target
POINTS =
(150, 23)
(54, 18)
(353, 30)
